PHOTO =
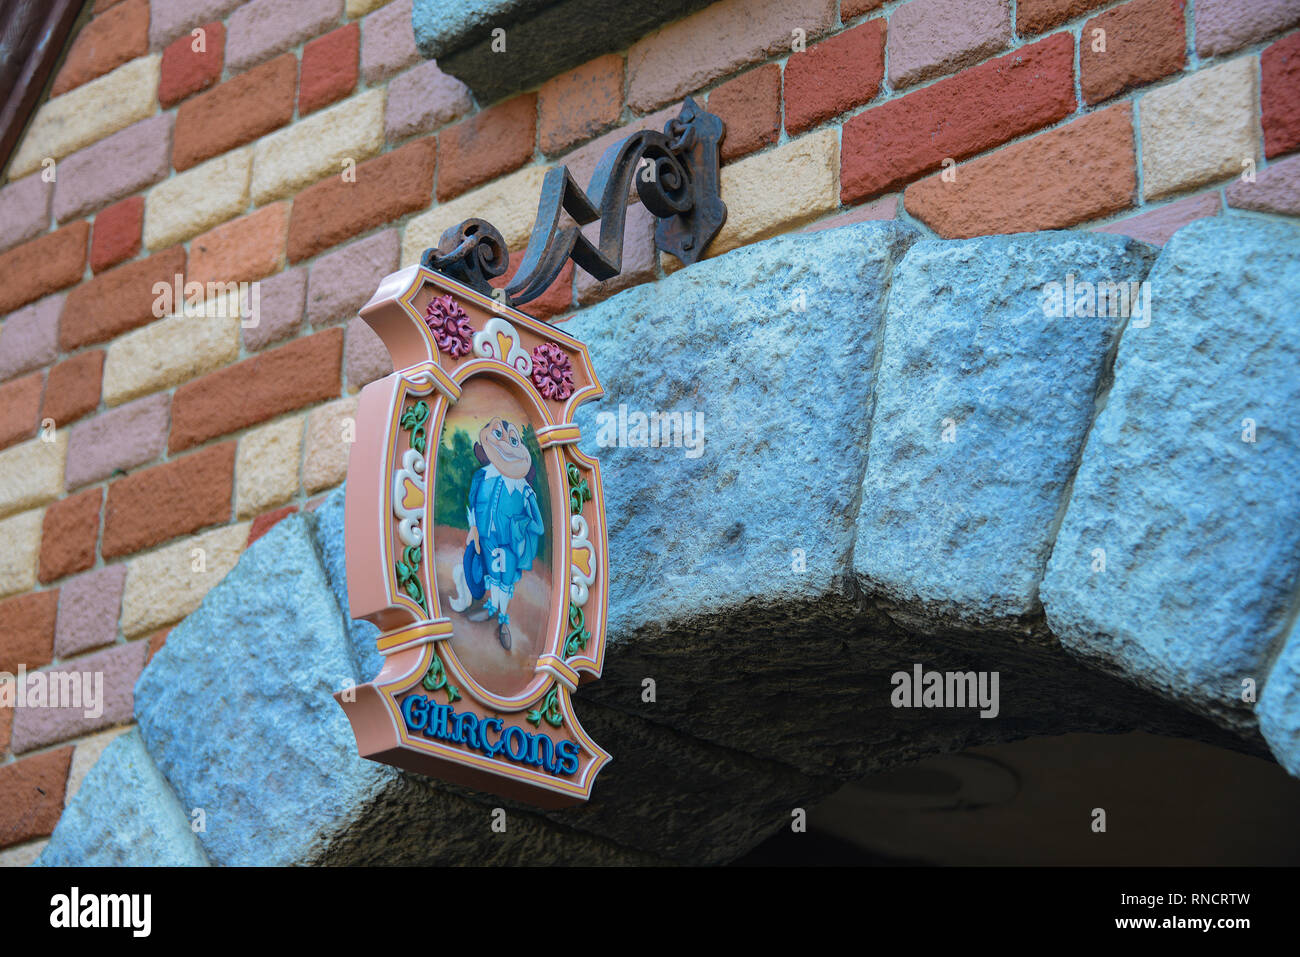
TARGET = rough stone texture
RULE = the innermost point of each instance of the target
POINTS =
(640, 257)
(957, 533)
(242, 250)
(750, 106)
(124, 815)
(197, 199)
(117, 440)
(807, 168)
(88, 608)
(116, 166)
(1279, 96)
(30, 337)
(266, 471)
(69, 534)
(1145, 40)
(423, 99)
(20, 405)
(387, 43)
(31, 795)
(318, 146)
(115, 667)
(73, 388)
(325, 463)
(280, 307)
(20, 549)
(246, 107)
(27, 635)
(1226, 25)
(164, 586)
(833, 76)
(117, 36)
(509, 204)
(343, 281)
(1200, 129)
(259, 30)
(1037, 16)
(1275, 190)
(1279, 706)
(487, 145)
(171, 351)
(365, 357)
(119, 299)
(329, 68)
(331, 545)
(1020, 188)
(24, 210)
(185, 70)
(89, 113)
(32, 473)
(117, 232)
(43, 265)
(688, 54)
(928, 38)
(88, 752)
(891, 144)
(579, 104)
(168, 19)
(176, 498)
(1156, 226)
(1171, 492)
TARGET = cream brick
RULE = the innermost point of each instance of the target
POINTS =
(331, 430)
(357, 8)
(776, 191)
(197, 199)
(266, 467)
(163, 587)
(24, 855)
(172, 350)
(20, 550)
(84, 758)
(32, 473)
(286, 161)
(509, 204)
(89, 113)
(1200, 129)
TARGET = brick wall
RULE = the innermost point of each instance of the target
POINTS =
(306, 147)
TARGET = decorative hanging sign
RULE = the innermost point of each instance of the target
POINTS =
(476, 542)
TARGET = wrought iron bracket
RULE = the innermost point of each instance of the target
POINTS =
(676, 177)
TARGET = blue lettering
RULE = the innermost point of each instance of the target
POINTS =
(568, 751)
(415, 710)
(495, 724)
(535, 742)
(467, 729)
(515, 734)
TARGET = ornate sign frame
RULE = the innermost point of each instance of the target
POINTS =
(429, 710)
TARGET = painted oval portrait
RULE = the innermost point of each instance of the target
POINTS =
(494, 537)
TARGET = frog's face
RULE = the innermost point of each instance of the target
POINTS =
(505, 448)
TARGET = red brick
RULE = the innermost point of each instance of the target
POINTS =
(489, 144)
(105, 43)
(1078, 172)
(6, 727)
(69, 534)
(31, 795)
(27, 630)
(236, 112)
(44, 265)
(850, 9)
(156, 641)
(750, 105)
(1145, 40)
(386, 187)
(267, 520)
(20, 407)
(1279, 97)
(891, 144)
(186, 71)
(834, 76)
(297, 374)
(558, 297)
(73, 388)
(575, 106)
(118, 300)
(1039, 16)
(168, 500)
(243, 249)
(329, 68)
(116, 237)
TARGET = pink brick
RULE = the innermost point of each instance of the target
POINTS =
(423, 99)
(121, 438)
(116, 166)
(929, 38)
(639, 258)
(1226, 25)
(119, 667)
(1158, 225)
(280, 304)
(720, 39)
(387, 42)
(24, 210)
(168, 19)
(259, 30)
(343, 281)
(88, 610)
(364, 357)
(30, 337)
(1275, 190)
(884, 208)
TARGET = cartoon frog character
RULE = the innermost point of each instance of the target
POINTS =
(505, 526)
